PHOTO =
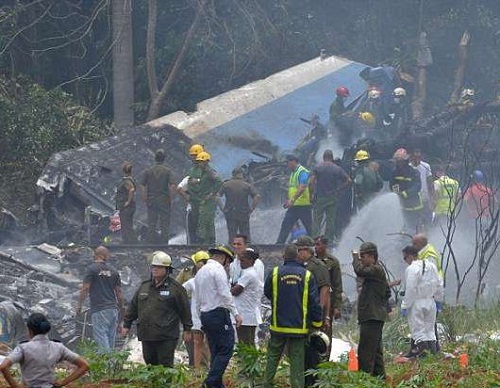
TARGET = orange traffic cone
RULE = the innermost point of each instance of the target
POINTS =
(464, 360)
(352, 363)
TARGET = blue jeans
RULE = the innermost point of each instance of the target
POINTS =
(217, 326)
(104, 326)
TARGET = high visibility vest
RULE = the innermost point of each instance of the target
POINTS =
(293, 186)
(294, 324)
(429, 253)
(447, 193)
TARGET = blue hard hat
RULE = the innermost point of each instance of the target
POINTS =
(478, 176)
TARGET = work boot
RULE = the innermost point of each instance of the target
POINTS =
(433, 347)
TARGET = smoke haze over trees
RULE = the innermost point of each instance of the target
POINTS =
(68, 46)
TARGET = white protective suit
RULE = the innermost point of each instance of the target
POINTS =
(424, 287)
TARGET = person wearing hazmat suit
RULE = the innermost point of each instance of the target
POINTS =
(423, 295)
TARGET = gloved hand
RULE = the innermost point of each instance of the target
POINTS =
(403, 194)
(439, 306)
(404, 312)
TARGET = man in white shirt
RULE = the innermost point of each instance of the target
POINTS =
(247, 292)
(239, 246)
(215, 303)
(427, 180)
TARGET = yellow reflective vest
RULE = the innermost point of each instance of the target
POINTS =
(293, 186)
(429, 253)
(446, 190)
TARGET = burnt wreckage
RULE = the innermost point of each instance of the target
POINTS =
(80, 183)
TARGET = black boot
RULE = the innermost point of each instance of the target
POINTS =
(433, 347)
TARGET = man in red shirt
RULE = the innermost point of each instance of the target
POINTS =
(479, 198)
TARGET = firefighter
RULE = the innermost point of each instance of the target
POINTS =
(337, 108)
(182, 189)
(367, 180)
(405, 182)
(203, 185)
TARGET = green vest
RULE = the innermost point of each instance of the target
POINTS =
(293, 186)
(447, 193)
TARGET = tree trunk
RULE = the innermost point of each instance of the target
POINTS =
(123, 63)
(158, 97)
(462, 63)
(424, 59)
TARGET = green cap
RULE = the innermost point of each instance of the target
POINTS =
(304, 241)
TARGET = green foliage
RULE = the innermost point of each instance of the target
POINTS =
(104, 366)
(330, 374)
(251, 365)
(157, 376)
(36, 122)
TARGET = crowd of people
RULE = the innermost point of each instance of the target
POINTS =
(217, 302)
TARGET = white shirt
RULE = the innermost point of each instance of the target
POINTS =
(248, 302)
(235, 270)
(183, 184)
(425, 172)
(212, 288)
(190, 287)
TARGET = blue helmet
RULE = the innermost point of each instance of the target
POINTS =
(478, 176)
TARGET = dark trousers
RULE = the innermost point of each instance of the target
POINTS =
(235, 225)
(312, 359)
(292, 215)
(159, 352)
(220, 335)
(158, 215)
(192, 224)
(127, 225)
(246, 335)
(370, 354)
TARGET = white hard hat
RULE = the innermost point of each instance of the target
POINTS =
(319, 341)
(160, 258)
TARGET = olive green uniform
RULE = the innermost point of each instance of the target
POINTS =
(126, 212)
(159, 310)
(237, 209)
(333, 265)
(322, 277)
(372, 313)
(203, 187)
(157, 180)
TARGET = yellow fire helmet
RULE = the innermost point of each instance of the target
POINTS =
(195, 149)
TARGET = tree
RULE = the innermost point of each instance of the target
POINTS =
(158, 94)
(123, 63)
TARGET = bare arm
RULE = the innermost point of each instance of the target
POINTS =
(119, 297)
(82, 366)
(255, 202)
(236, 290)
(324, 301)
(5, 368)
(144, 193)
(130, 196)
